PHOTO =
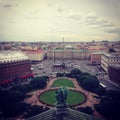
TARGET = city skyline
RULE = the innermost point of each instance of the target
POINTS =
(51, 20)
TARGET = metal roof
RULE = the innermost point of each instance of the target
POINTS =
(10, 56)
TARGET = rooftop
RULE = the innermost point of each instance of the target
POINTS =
(69, 114)
(9, 56)
(112, 55)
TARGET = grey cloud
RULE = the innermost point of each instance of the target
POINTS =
(12, 22)
(91, 17)
(32, 17)
(94, 20)
(74, 16)
(116, 31)
(49, 4)
(107, 25)
(60, 10)
(9, 5)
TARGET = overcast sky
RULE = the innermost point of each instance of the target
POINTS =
(50, 20)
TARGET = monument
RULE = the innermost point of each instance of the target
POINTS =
(61, 96)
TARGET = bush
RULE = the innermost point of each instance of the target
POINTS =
(34, 110)
(38, 82)
(75, 73)
(59, 75)
(109, 109)
(14, 109)
(110, 105)
(90, 83)
(84, 73)
(20, 88)
(100, 90)
(86, 109)
(81, 78)
(11, 96)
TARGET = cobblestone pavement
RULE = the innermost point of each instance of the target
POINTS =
(90, 101)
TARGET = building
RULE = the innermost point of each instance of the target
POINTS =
(68, 54)
(13, 66)
(95, 58)
(35, 55)
(97, 48)
(114, 74)
(63, 114)
(110, 60)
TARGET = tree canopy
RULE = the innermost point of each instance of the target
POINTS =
(89, 82)
(110, 105)
(20, 88)
(75, 73)
(39, 82)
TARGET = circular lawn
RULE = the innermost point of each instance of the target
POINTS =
(74, 98)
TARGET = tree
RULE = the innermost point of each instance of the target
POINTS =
(110, 105)
(75, 73)
(34, 110)
(109, 109)
(29, 86)
(86, 109)
(111, 50)
(11, 96)
(84, 73)
(21, 88)
(38, 82)
(82, 77)
(100, 90)
(90, 83)
(113, 94)
(59, 75)
(14, 109)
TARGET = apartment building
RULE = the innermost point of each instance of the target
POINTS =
(14, 65)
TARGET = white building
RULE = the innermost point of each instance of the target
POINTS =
(108, 59)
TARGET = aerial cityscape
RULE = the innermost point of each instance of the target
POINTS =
(59, 60)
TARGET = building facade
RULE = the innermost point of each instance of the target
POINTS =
(13, 66)
(35, 55)
(114, 74)
(110, 60)
(68, 54)
(95, 58)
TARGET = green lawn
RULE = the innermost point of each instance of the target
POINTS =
(63, 82)
(74, 97)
